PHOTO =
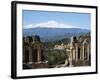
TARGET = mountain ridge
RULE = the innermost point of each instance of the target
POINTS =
(50, 33)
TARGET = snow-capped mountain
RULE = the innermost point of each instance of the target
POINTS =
(53, 30)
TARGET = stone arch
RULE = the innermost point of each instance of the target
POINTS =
(85, 50)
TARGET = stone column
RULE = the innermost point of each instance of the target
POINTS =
(83, 53)
(70, 57)
(76, 52)
(30, 55)
(88, 52)
(73, 54)
(39, 55)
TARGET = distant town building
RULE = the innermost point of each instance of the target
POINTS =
(60, 47)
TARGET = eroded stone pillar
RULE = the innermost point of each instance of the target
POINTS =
(70, 57)
(76, 53)
(83, 53)
(30, 55)
(73, 54)
(88, 52)
(39, 55)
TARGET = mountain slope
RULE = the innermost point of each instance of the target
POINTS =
(54, 33)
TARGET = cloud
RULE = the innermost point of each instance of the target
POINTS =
(50, 24)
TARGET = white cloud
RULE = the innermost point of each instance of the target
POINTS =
(50, 24)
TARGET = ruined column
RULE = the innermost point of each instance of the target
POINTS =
(83, 53)
(70, 58)
(73, 54)
(76, 52)
(30, 55)
(88, 52)
(39, 55)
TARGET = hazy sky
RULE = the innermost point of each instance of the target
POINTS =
(33, 19)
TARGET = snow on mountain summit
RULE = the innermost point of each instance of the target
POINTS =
(49, 24)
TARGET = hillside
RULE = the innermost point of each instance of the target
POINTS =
(54, 33)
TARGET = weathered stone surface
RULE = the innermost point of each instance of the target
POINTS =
(80, 51)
